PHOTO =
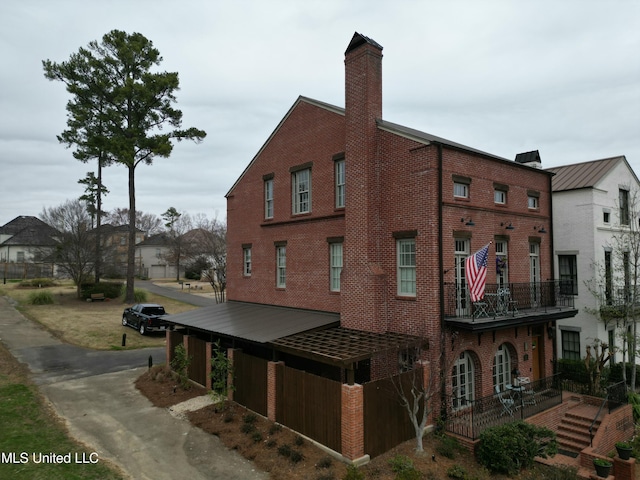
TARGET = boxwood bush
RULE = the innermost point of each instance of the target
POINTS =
(110, 289)
(511, 447)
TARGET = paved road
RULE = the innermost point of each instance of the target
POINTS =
(94, 392)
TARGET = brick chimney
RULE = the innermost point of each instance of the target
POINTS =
(362, 286)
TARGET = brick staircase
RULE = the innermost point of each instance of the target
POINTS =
(573, 429)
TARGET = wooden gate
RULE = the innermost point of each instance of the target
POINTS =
(386, 421)
(250, 382)
(310, 405)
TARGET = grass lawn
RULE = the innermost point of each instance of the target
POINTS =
(29, 427)
(96, 325)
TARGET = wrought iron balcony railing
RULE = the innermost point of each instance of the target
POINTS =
(512, 299)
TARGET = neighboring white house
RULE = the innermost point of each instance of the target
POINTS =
(24, 243)
(151, 258)
(590, 205)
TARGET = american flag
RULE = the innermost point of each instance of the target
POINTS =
(476, 272)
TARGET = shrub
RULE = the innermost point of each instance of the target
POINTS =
(403, 467)
(509, 448)
(110, 289)
(324, 462)
(447, 446)
(271, 443)
(458, 472)
(284, 450)
(180, 365)
(247, 428)
(139, 296)
(43, 297)
(296, 456)
(275, 428)
(353, 473)
(256, 437)
(299, 441)
(250, 418)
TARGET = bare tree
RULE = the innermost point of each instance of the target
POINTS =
(416, 387)
(180, 244)
(75, 250)
(212, 246)
(147, 222)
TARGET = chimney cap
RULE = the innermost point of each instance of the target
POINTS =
(358, 40)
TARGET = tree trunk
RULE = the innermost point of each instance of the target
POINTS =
(98, 262)
(131, 250)
(632, 349)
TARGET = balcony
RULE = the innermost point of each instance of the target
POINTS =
(513, 304)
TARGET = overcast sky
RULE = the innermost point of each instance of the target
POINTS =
(561, 77)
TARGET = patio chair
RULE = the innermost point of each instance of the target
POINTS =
(480, 309)
(508, 404)
(529, 395)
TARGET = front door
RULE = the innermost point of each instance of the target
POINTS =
(536, 356)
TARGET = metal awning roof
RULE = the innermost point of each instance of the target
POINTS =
(306, 333)
(254, 322)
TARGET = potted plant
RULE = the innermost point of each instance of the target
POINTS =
(603, 467)
(625, 449)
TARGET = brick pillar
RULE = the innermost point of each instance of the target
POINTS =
(624, 469)
(272, 397)
(207, 368)
(352, 421)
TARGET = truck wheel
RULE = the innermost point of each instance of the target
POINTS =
(142, 329)
(124, 321)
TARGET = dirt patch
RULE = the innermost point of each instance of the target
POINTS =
(287, 456)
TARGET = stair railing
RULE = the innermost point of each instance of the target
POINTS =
(604, 401)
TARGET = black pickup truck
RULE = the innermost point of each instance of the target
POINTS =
(145, 317)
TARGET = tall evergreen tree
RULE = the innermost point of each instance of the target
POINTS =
(122, 109)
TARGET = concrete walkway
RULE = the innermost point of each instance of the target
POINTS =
(94, 392)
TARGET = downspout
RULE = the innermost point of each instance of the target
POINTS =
(442, 362)
(554, 340)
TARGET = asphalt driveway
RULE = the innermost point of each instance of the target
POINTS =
(94, 392)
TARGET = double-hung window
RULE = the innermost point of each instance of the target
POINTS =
(500, 193)
(281, 266)
(623, 205)
(533, 200)
(406, 261)
(335, 265)
(570, 345)
(301, 191)
(340, 183)
(461, 186)
(568, 266)
(246, 260)
(268, 197)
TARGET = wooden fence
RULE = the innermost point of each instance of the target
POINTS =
(386, 421)
(198, 366)
(310, 405)
(250, 382)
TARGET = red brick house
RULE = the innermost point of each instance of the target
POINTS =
(346, 246)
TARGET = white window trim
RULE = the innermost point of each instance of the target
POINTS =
(405, 269)
(281, 266)
(335, 265)
(340, 183)
(297, 194)
(268, 198)
(246, 261)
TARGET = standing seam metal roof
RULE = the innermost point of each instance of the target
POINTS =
(582, 175)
